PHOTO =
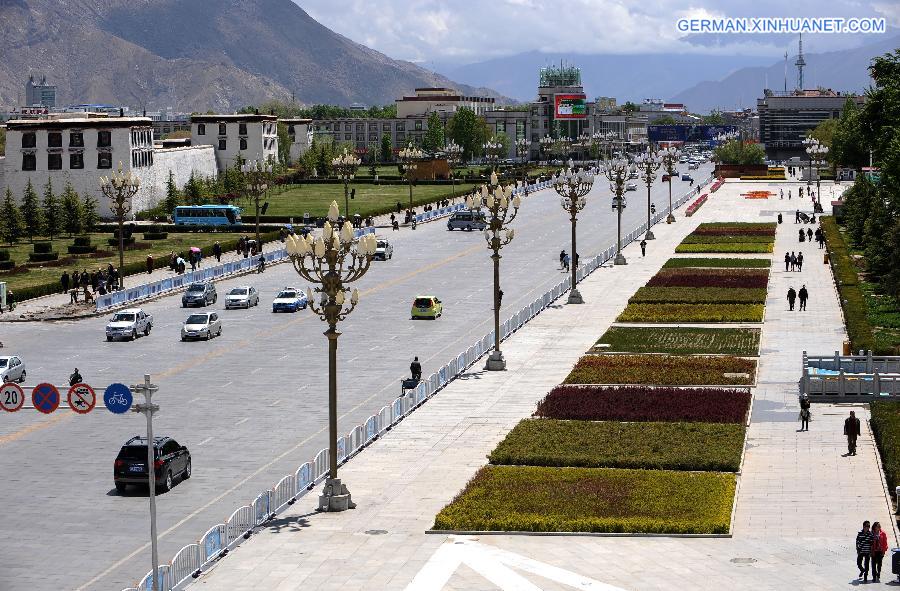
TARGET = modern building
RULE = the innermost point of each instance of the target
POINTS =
(561, 108)
(440, 100)
(300, 133)
(241, 136)
(40, 93)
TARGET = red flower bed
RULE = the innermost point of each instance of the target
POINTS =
(693, 207)
(691, 277)
(733, 231)
(715, 186)
(643, 403)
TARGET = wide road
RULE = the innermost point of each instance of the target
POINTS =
(252, 405)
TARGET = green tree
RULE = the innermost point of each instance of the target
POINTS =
(664, 120)
(73, 221)
(714, 118)
(630, 107)
(11, 225)
(858, 203)
(737, 152)
(193, 191)
(53, 219)
(89, 217)
(469, 131)
(387, 151)
(434, 136)
(172, 196)
(503, 138)
(31, 212)
(848, 142)
(284, 145)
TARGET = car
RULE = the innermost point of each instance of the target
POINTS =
(633, 175)
(686, 177)
(171, 460)
(426, 306)
(243, 296)
(201, 325)
(467, 220)
(383, 250)
(694, 166)
(556, 162)
(199, 294)
(128, 324)
(289, 299)
(12, 369)
(631, 187)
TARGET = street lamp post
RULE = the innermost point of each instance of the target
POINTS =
(345, 167)
(409, 158)
(502, 208)
(120, 188)
(257, 175)
(617, 171)
(332, 261)
(545, 143)
(670, 162)
(572, 187)
(648, 163)
(492, 149)
(816, 153)
(454, 154)
(148, 409)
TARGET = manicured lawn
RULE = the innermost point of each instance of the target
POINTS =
(716, 262)
(885, 422)
(692, 313)
(733, 228)
(883, 313)
(712, 447)
(682, 340)
(725, 238)
(663, 370)
(727, 247)
(524, 498)
(698, 295)
(731, 278)
(645, 403)
(853, 301)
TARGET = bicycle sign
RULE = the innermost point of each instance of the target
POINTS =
(82, 398)
(118, 398)
(11, 397)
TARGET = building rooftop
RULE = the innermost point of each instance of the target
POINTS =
(293, 120)
(244, 117)
(68, 122)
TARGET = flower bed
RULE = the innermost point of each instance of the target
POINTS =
(644, 403)
(697, 262)
(521, 498)
(682, 340)
(698, 295)
(692, 313)
(709, 447)
(693, 207)
(734, 247)
(731, 278)
(725, 238)
(715, 186)
(663, 370)
(735, 228)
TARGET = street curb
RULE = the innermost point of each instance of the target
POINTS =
(580, 534)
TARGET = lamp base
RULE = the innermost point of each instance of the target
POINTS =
(335, 496)
(575, 297)
(670, 219)
(649, 235)
(620, 259)
(495, 361)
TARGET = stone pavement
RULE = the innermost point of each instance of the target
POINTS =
(798, 506)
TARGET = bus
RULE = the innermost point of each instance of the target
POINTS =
(207, 215)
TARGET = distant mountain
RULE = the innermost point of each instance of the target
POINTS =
(194, 55)
(839, 70)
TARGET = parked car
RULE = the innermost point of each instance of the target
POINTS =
(427, 307)
(128, 324)
(171, 461)
(556, 162)
(383, 250)
(243, 296)
(201, 325)
(289, 299)
(199, 294)
(467, 220)
(12, 369)
(631, 187)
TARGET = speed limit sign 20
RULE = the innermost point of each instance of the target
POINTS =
(11, 397)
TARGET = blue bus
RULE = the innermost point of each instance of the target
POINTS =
(207, 215)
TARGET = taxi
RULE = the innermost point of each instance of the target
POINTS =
(426, 306)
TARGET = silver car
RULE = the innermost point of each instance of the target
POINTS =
(631, 187)
(383, 250)
(12, 369)
(202, 325)
(243, 296)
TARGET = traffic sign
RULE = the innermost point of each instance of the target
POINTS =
(11, 397)
(82, 398)
(45, 398)
(117, 398)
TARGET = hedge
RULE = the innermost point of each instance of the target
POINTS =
(663, 370)
(82, 241)
(853, 301)
(737, 227)
(708, 447)
(692, 313)
(155, 235)
(42, 257)
(731, 247)
(125, 241)
(697, 262)
(4, 255)
(885, 421)
(7, 265)
(524, 498)
(693, 295)
(43, 247)
(682, 340)
(80, 249)
(645, 403)
(699, 277)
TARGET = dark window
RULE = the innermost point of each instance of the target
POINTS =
(242, 129)
(418, 125)
(385, 127)
(222, 144)
(347, 137)
(290, 130)
(222, 129)
(76, 139)
(243, 143)
(104, 139)
(169, 447)
(54, 161)
(76, 160)
(29, 161)
(54, 139)
(201, 129)
(104, 160)
(29, 140)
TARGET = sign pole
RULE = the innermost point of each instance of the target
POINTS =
(148, 409)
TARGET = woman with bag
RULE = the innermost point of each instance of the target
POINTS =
(879, 547)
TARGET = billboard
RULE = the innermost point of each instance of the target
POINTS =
(687, 133)
(570, 106)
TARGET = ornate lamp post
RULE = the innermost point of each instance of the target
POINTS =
(409, 157)
(120, 188)
(492, 150)
(332, 261)
(585, 143)
(522, 152)
(617, 171)
(257, 175)
(816, 153)
(545, 143)
(670, 158)
(345, 167)
(572, 187)
(502, 208)
(648, 163)
(454, 154)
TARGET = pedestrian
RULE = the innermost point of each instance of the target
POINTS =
(64, 281)
(75, 377)
(217, 251)
(75, 278)
(499, 297)
(395, 225)
(802, 235)
(149, 264)
(415, 369)
(95, 279)
(562, 258)
(11, 300)
(804, 412)
(793, 261)
(193, 262)
(879, 547)
(851, 430)
(643, 247)
(782, 193)
(864, 540)
(199, 255)
(789, 194)
(84, 278)
(787, 262)
(791, 297)
(393, 217)
(399, 207)
(566, 263)
(780, 219)
(797, 217)
(73, 295)
(800, 261)
(809, 234)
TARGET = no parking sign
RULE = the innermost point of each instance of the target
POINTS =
(45, 398)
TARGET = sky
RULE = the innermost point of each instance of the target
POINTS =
(456, 32)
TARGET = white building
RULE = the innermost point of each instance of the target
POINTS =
(245, 136)
(440, 100)
(301, 134)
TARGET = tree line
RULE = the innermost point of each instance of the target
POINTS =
(48, 215)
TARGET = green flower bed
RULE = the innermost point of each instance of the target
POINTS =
(885, 421)
(663, 370)
(710, 447)
(677, 263)
(523, 498)
(726, 247)
(692, 313)
(716, 239)
(682, 340)
(737, 227)
(698, 295)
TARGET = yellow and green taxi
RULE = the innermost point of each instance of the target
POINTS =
(426, 306)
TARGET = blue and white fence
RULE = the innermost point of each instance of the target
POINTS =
(438, 213)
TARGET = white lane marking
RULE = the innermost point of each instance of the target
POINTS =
(276, 403)
(195, 400)
(375, 348)
(302, 388)
(242, 421)
(352, 359)
(102, 370)
(285, 356)
(207, 440)
(256, 370)
(226, 385)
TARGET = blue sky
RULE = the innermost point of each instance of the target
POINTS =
(453, 32)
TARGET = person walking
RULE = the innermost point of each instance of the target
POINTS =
(782, 193)
(793, 261)
(851, 431)
(217, 251)
(791, 297)
(787, 262)
(64, 281)
(566, 263)
(800, 261)
(864, 540)
(149, 264)
(797, 217)
(809, 234)
(643, 247)
(415, 369)
(789, 194)
(562, 258)
(802, 235)
(804, 412)
(879, 547)
(193, 260)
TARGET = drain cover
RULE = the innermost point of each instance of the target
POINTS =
(743, 560)
(376, 532)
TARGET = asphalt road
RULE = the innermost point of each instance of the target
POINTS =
(251, 405)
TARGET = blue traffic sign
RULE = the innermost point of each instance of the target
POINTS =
(118, 398)
(45, 398)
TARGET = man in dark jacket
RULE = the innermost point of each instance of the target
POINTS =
(864, 540)
(415, 368)
(64, 281)
(787, 261)
(791, 297)
(851, 430)
(217, 251)
(803, 295)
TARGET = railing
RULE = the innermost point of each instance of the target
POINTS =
(856, 377)
(438, 213)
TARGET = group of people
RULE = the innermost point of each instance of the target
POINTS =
(871, 546)
(806, 235)
(565, 261)
(246, 247)
(793, 295)
(99, 282)
(793, 262)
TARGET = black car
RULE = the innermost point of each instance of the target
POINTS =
(199, 294)
(171, 460)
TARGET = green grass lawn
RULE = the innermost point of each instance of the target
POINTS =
(692, 313)
(698, 295)
(742, 342)
(883, 313)
(663, 370)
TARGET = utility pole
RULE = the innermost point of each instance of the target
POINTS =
(148, 409)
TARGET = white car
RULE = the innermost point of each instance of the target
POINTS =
(12, 369)
(202, 325)
(289, 299)
(128, 324)
(383, 250)
(243, 296)
(631, 187)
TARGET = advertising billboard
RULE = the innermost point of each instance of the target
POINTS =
(687, 133)
(570, 106)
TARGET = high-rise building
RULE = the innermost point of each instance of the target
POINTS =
(40, 93)
(786, 117)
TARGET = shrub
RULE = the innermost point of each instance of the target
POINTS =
(694, 295)
(523, 498)
(155, 235)
(663, 370)
(732, 247)
(4, 255)
(43, 247)
(7, 265)
(726, 238)
(644, 403)
(731, 278)
(79, 249)
(128, 241)
(82, 241)
(692, 313)
(717, 262)
(885, 421)
(682, 340)
(42, 257)
(709, 447)
(853, 301)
